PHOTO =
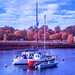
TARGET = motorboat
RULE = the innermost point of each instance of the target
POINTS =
(49, 64)
(39, 57)
(19, 60)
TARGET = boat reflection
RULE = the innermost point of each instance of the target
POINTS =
(23, 68)
(30, 68)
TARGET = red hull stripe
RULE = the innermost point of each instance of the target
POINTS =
(31, 62)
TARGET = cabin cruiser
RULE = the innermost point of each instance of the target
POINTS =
(39, 58)
(19, 60)
(49, 64)
(31, 58)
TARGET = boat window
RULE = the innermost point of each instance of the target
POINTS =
(27, 54)
(36, 55)
(30, 54)
(25, 57)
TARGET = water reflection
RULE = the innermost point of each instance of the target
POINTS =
(28, 68)
(23, 68)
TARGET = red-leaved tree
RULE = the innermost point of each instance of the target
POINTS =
(70, 38)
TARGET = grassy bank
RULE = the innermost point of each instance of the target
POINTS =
(5, 45)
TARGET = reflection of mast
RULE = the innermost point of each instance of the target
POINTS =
(44, 31)
(37, 23)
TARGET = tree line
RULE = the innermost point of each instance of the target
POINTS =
(11, 33)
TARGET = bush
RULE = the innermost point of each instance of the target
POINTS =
(70, 38)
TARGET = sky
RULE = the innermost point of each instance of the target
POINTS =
(21, 14)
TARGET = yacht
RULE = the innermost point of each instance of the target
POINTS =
(19, 60)
(39, 58)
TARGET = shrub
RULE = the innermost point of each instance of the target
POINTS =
(70, 38)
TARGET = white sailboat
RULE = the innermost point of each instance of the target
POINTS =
(31, 58)
(40, 57)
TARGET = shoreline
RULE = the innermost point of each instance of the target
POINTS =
(10, 45)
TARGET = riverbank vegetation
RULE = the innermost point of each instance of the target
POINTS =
(23, 37)
(57, 34)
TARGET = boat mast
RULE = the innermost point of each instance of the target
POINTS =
(44, 30)
(37, 25)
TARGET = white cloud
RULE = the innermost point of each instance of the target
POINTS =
(71, 12)
(68, 11)
(21, 14)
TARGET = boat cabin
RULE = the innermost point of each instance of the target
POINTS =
(38, 56)
(28, 55)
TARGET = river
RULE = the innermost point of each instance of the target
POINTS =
(66, 67)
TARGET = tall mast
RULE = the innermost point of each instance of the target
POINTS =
(44, 30)
(37, 23)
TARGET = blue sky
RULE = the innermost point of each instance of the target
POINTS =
(20, 14)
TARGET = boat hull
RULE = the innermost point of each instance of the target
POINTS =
(32, 62)
(47, 65)
(19, 61)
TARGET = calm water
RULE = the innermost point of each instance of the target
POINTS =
(66, 67)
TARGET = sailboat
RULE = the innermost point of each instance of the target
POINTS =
(31, 58)
(40, 57)
(23, 59)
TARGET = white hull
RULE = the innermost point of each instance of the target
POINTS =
(19, 61)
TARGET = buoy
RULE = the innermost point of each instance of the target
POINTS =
(5, 65)
(67, 58)
(63, 60)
